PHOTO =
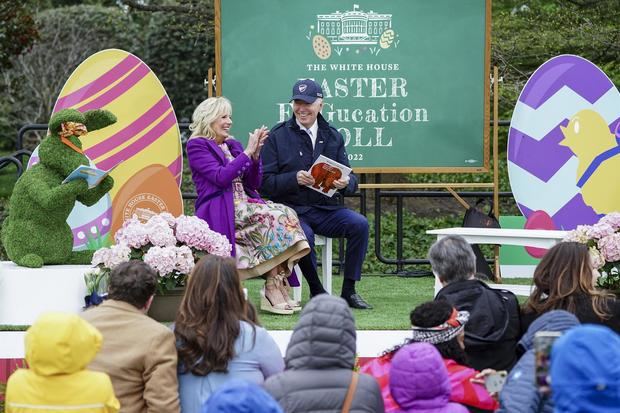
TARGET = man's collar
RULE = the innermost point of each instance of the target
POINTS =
(313, 128)
(121, 305)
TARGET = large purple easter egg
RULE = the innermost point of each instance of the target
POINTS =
(546, 173)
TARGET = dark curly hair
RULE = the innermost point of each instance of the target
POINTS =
(434, 313)
(133, 282)
(208, 321)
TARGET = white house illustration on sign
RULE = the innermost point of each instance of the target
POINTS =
(353, 27)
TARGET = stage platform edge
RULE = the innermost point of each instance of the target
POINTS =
(26, 293)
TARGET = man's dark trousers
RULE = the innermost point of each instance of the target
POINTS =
(336, 223)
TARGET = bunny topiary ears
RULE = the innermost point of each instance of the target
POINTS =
(64, 116)
(98, 119)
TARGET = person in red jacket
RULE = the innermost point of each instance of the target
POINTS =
(438, 323)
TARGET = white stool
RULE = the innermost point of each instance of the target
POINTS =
(326, 266)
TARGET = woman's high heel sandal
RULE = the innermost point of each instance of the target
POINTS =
(271, 299)
(285, 289)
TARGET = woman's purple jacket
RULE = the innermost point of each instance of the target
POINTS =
(213, 175)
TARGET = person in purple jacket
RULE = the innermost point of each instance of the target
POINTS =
(268, 238)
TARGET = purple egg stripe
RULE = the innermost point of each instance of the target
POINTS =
(122, 87)
(131, 130)
(575, 212)
(525, 210)
(96, 222)
(535, 156)
(614, 127)
(175, 169)
(32, 161)
(98, 84)
(151, 136)
(540, 158)
(579, 74)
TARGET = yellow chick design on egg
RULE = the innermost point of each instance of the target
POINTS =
(588, 137)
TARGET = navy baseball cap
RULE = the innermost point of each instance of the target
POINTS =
(307, 90)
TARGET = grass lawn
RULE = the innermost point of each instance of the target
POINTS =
(393, 299)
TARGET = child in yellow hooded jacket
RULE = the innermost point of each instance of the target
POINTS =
(58, 349)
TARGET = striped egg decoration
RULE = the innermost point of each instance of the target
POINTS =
(567, 99)
(145, 142)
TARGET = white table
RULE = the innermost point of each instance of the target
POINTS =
(538, 238)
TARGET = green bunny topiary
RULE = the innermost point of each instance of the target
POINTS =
(36, 231)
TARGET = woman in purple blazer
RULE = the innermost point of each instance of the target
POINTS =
(268, 238)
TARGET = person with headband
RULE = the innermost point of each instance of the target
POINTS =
(439, 324)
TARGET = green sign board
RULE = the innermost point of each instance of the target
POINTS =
(406, 82)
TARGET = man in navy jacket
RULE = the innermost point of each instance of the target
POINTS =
(288, 154)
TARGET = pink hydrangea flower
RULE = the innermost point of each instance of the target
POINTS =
(161, 259)
(169, 218)
(111, 257)
(599, 230)
(218, 245)
(610, 247)
(159, 232)
(119, 254)
(612, 219)
(196, 233)
(156, 242)
(100, 256)
(184, 260)
(132, 233)
(190, 230)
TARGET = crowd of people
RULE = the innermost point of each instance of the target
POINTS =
(216, 357)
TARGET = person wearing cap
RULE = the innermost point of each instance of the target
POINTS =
(585, 370)
(494, 326)
(287, 156)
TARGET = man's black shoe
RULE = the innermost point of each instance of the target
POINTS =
(356, 301)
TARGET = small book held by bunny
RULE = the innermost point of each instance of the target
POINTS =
(91, 175)
(325, 171)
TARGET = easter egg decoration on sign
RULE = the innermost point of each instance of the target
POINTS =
(144, 142)
(563, 150)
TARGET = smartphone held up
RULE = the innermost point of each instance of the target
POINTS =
(543, 342)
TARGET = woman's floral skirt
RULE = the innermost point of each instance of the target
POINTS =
(267, 236)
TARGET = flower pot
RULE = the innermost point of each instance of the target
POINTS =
(165, 306)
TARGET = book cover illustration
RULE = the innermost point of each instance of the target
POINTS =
(325, 171)
(91, 175)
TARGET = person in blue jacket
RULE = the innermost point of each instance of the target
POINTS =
(289, 152)
(520, 393)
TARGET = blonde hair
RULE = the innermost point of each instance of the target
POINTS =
(206, 113)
